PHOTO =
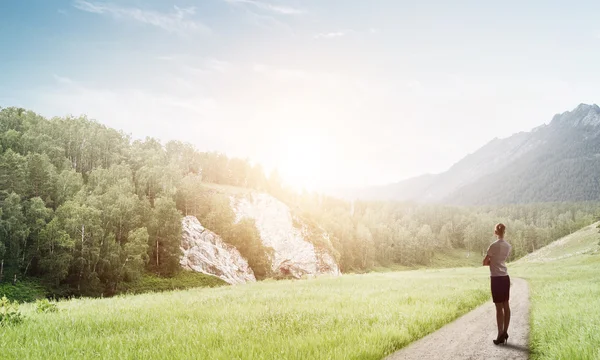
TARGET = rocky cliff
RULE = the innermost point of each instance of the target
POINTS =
(293, 255)
(205, 252)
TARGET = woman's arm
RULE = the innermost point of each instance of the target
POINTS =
(486, 260)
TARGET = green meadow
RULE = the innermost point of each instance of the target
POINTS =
(351, 317)
(360, 316)
(565, 297)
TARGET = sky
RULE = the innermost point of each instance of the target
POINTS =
(332, 93)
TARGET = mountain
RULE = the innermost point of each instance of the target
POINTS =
(555, 162)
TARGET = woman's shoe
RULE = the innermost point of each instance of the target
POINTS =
(505, 336)
(501, 339)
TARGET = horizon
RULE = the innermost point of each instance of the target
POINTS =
(313, 89)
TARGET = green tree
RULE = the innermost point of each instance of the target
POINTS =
(55, 252)
(41, 176)
(36, 216)
(165, 237)
(11, 139)
(190, 195)
(12, 173)
(67, 184)
(14, 230)
(83, 224)
(246, 238)
(135, 254)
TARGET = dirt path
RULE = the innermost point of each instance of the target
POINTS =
(470, 337)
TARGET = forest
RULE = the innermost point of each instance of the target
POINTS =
(85, 209)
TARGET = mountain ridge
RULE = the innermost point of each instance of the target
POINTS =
(565, 148)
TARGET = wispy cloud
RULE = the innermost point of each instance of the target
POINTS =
(280, 9)
(346, 32)
(198, 65)
(416, 87)
(63, 80)
(331, 35)
(115, 105)
(176, 21)
(281, 74)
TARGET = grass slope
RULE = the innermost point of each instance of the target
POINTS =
(351, 317)
(583, 241)
(565, 294)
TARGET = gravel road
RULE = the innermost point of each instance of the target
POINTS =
(470, 337)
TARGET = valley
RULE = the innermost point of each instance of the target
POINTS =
(293, 179)
(162, 250)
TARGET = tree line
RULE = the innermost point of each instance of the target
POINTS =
(368, 234)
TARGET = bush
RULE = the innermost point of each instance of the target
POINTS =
(9, 312)
(181, 281)
(23, 291)
(45, 306)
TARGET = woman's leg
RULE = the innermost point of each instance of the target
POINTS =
(500, 317)
(506, 309)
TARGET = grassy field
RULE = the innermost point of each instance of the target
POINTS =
(351, 317)
(452, 258)
(565, 295)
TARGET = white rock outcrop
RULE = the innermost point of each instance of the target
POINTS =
(293, 254)
(205, 252)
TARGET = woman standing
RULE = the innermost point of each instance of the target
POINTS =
(496, 260)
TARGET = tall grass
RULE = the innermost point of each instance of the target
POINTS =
(350, 317)
(565, 309)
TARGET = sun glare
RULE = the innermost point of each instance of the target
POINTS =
(300, 162)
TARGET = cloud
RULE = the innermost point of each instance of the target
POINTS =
(266, 15)
(63, 80)
(175, 22)
(416, 87)
(133, 110)
(198, 65)
(281, 74)
(216, 65)
(331, 35)
(346, 32)
(279, 9)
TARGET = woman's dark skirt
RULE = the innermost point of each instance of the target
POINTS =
(500, 288)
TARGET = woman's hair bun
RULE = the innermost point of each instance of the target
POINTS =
(500, 228)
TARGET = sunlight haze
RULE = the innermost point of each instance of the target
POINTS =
(331, 93)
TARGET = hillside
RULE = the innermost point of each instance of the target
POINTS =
(584, 241)
(555, 162)
(565, 295)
